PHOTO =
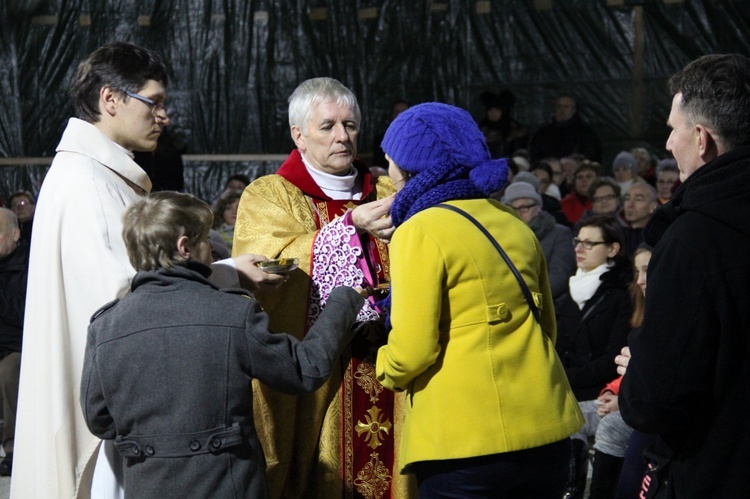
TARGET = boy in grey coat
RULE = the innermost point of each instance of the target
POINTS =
(167, 370)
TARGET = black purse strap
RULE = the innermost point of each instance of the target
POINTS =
(524, 288)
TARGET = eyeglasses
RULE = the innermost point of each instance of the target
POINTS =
(156, 107)
(602, 199)
(586, 243)
(524, 208)
(19, 204)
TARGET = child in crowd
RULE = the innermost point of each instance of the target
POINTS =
(168, 369)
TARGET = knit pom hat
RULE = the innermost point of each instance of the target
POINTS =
(446, 154)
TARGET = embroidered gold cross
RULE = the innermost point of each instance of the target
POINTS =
(373, 427)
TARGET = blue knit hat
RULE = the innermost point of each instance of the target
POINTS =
(447, 155)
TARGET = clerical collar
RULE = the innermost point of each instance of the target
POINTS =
(335, 186)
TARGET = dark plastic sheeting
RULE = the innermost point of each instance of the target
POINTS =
(235, 62)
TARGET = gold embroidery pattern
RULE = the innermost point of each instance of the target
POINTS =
(365, 376)
(373, 480)
(348, 430)
(323, 213)
(373, 426)
(348, 206)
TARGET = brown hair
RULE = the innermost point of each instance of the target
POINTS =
(152, 225)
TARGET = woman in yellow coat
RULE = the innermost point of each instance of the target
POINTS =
(489, 408)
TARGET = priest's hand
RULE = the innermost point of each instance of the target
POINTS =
(373, 217)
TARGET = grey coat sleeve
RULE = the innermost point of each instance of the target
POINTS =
(94, 407)
(286, 364)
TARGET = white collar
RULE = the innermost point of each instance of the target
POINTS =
(335, 186)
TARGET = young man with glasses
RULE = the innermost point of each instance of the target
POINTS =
(79, 262)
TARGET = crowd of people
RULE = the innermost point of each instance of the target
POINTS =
(471, 320)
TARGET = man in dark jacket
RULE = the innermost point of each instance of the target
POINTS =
(566, 134)
(14, 265)
(688, 380)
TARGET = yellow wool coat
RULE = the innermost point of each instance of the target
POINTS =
(482, 374)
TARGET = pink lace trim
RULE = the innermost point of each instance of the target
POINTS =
(337, 260)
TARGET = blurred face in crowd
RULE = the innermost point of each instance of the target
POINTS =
(643, 158)
(565, 108)
(641, 269)
(23, 207)
(526, 208)
(9, 235)
(623, 174)
(329, 142)
(235, 185)
(639, 204)
(665, 183)
(557, 170)
(589, 259)
(569, 166)
(544, 179)
(605, 201)
(683, 140)
(583, 180)
(230, 213)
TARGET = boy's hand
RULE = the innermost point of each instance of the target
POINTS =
(254, 279)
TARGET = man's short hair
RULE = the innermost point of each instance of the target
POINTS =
(716, 93)
(120, 65)
(152, 225)
(316, 91)
(8, 219)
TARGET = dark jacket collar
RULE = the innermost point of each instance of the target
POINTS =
(191, 271)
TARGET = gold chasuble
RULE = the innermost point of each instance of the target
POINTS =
(341, 440)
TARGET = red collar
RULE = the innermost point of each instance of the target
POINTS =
(294, 170)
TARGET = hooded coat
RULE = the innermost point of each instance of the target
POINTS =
(688, 379)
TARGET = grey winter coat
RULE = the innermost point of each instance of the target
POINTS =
(167, 373)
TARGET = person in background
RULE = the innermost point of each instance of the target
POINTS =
(687, 380)
(237, 182)
(78, 260)
(625, 169)
(14, 264)
(554, 238)
(593, 323)
(646, 169)
(667, 180)
(504, 134)
(543, 172)
(566, 134)
(577, 202)
(183, 420)
(614, 436)
(638, 206)
(324, 207)
(225, 215)
(23, 205)
(605, 200)
(442, 333)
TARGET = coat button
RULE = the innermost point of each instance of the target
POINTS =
(149, 450)
(195, 445)
(502, 311)
(136, 450)
(215, 443)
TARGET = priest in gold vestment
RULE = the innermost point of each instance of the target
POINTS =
(324, 207)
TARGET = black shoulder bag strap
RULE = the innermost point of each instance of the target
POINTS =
(521, 282)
